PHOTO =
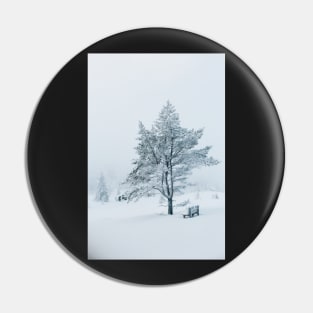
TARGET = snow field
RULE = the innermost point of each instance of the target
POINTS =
(143, 230)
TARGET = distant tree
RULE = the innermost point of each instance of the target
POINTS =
(215, 196)
(101, 191)
(166, 157)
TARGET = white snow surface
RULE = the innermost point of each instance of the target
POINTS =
(144, 230)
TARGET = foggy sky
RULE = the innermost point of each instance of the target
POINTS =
(124, 89)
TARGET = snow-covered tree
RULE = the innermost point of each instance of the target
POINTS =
(101, 191)
(166, 157)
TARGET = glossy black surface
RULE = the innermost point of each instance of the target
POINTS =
(57, 155)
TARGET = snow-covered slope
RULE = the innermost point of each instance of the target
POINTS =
(143, 230)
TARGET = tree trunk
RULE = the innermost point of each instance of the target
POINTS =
(170, 206)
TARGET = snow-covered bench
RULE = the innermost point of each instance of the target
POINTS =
(192, 211)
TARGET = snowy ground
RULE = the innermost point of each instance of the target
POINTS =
(143, 230)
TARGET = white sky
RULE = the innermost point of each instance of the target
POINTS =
(126, 88)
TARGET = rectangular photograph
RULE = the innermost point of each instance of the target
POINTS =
(156, 156)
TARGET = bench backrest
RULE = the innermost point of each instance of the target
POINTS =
(193, 209)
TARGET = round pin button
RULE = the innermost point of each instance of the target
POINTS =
(155, 156)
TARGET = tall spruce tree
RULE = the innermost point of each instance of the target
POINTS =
(166, 157)
(101, 191)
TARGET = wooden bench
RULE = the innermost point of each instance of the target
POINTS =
(192, 211)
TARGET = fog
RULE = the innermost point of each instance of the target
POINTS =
(124, 89)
